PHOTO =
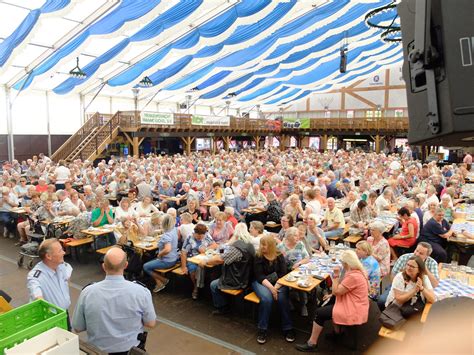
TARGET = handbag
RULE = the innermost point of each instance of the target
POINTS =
(272, 278)
(410, 308)
(392, 317)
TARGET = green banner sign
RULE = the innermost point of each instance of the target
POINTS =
(199, 120)
(156, 118)
(296, 123)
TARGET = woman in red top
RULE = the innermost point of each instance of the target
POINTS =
(407, 236)
(352, 300)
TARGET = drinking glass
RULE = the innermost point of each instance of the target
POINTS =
(347, 245)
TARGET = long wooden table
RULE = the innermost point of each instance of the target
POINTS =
(18, 210)
(313, 283)
(197, 260)
(96, 232)
(461, 239)
(254, 210)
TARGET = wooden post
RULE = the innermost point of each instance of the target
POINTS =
(257, 142)
(377, 140)
(136, 147)
(323, 145)
(188, 141)
(299, 141)
(226, 143)
(213, 145)
(282, 139)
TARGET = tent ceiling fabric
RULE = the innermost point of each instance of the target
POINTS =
(259, 51)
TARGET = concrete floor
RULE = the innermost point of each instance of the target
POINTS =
(187, 326)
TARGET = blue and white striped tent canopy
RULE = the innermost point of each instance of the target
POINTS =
(249, 52)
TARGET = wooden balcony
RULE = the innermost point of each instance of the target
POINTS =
(130, 122)
(351, 125)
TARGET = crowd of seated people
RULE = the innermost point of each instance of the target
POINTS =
(206, 202)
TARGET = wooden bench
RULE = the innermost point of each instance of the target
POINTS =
(164, 271)
(233, 292)
(425, 313)
(103, 251)
(178, 271)
(353, 239)
(252, 297)
(400, 334)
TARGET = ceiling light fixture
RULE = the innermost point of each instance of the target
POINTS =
(77, 72)
(392, 31)
(145, 82)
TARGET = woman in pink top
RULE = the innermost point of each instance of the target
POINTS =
(352, 300)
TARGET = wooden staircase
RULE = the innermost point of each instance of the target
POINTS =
(90, 140)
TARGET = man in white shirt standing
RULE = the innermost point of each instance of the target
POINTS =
(61, 174)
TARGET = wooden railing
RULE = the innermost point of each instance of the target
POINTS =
(399, 112)
(356, 124)
(97, 144)
(130, 120)
(73, 141)
(95, 121)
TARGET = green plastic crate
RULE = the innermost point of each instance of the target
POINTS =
(28, 321)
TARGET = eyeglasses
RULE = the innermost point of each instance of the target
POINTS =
(412, 266)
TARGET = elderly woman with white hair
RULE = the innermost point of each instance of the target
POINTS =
(430, 212)
(447, 206)
(314, 234)
(380, 246)
(351, 305)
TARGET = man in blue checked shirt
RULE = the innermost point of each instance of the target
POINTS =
(423, 250)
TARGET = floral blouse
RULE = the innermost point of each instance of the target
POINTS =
(382, 251)
(292, 256)
(223, 235)
(373, 274)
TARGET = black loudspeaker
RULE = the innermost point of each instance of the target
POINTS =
(343, 62)
(438, 46)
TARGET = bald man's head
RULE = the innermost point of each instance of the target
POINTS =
(115, 261)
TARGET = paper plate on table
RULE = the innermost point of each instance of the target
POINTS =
(303, 283)
(290, 278)
(149, 239)
(144, 245)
